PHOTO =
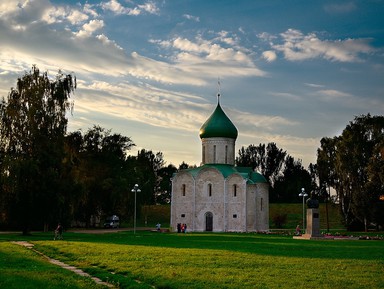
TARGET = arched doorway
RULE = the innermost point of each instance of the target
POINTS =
(208, 222)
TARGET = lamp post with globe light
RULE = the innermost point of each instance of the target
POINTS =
(303, 194)
(135, 190)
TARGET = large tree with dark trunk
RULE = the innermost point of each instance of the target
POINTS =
(33, 124)
(353, 164)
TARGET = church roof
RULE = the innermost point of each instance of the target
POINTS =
(247, 173)
(218, 125)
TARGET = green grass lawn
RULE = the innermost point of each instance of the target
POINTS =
(221, 260)
(22, 268)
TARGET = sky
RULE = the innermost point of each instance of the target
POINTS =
(289, 72)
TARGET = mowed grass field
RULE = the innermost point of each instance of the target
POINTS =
(194, 260)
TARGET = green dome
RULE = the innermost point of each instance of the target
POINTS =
(218, 125)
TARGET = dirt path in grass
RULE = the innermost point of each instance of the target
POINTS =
(63, 265)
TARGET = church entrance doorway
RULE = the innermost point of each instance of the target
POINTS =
(208, 222)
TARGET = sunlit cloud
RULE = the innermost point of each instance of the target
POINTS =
(297, 46)
(210, 55)
(115, 7)
(269, 55)
(90, 27)
(257, 122)
(144, 103)
(159, 77)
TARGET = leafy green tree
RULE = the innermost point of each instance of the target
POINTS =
(288, 186)
(32, 128)
(163, 195)
(148, 168)
(184, 166)
(267, 160)
(102, 172)
(349, 163)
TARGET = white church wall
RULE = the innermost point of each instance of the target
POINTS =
(218, 150)
(235, 200)
(262, 207)
(251, 207)
(182, 205)
(209, 198)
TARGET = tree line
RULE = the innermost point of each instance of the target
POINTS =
(48, 175)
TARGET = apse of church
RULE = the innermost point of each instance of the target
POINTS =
(219, 196)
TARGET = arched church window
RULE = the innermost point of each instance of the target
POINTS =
(183, 190)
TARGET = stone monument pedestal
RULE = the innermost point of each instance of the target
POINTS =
(313, 225)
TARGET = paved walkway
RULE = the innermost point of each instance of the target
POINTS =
(63, 265)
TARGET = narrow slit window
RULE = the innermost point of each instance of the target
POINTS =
(203, 154)
(261, 204)
(183, 190)
(209, 190)
(235, 190)
(226, 154)
(214, 154)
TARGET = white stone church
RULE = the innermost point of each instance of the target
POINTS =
(218, 196)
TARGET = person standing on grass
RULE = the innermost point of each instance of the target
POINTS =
(158, 227)
(298, 231)
(59, 232)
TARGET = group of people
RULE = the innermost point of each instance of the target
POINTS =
(181, 228)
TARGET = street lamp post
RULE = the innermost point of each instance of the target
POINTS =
(303, 194)
(135, 190)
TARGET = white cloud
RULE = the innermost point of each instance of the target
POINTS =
(190, 17)
(114, 6)
(88, 9)
(297, 46)
(57, 14)
(203, 51)
(345, 99)
(265, 36)
(332, 94)
(90, 27)
(106, 41)
(149, 7)
(255, 122)
(76, 17)
(314, 85)
(269, 55)
(117, 8)
(159, 108)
